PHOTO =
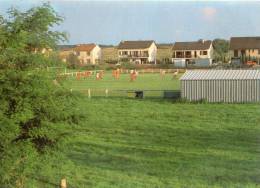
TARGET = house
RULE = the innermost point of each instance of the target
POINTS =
(140, 52)
(231, 86)
(197, 53)
(88, 53)
(245, 48)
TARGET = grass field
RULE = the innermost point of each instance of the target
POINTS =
(157, 143)
(147, 81)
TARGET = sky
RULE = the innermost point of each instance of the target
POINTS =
(109, 22)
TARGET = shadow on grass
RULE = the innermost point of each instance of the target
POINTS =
(185, 158)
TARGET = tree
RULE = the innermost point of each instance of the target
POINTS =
(73, 61)
(34, 112)
(221, 50)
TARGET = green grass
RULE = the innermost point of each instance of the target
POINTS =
(152, 81)
(147, 81)
(157, 143)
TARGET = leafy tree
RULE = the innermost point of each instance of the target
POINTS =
(221, 50)
(34, 112)
(73, 61)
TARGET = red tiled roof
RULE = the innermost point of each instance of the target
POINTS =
(85, 47)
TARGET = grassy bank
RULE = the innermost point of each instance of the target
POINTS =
(151, 143)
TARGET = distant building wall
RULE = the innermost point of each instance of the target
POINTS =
(90, 57)
(152, 53)
(145, 55)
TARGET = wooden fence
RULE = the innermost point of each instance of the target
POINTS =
(132, 93)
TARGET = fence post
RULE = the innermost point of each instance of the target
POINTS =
(63, 183)
(106, 91)
(89, 94)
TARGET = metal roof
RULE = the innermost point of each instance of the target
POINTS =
(221, 75)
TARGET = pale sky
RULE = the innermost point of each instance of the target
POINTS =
(109, 22)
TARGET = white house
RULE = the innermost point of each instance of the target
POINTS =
(88, 53)
(141, 52)
(197, 53)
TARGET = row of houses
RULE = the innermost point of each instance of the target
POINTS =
(199, 53)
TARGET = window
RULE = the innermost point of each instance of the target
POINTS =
(188, 54)
(205, 52)
(200, 52)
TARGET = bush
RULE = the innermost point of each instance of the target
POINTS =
(73, 61)
(128, 65)
(34, 112)
(111, 61)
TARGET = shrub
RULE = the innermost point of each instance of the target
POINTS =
(34, 112)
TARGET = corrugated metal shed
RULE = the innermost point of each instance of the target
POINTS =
(221, 75)
(221, 85)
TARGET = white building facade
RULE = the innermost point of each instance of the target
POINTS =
(88, 53)
(198, 53)
(139, 52)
